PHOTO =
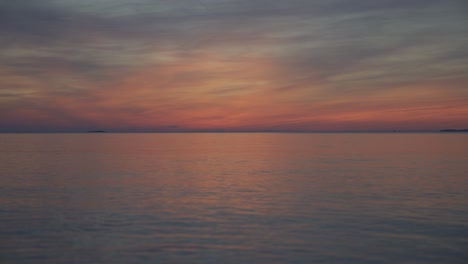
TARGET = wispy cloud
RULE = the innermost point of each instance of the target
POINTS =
(233, 64)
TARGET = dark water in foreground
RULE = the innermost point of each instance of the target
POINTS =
(234, 198)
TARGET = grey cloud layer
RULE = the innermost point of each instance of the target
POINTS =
(363, 42)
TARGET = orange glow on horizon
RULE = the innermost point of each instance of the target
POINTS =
(207, 92)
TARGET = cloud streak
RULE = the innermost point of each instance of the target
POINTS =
(233, 65)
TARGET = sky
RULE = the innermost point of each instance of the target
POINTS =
(233, 65)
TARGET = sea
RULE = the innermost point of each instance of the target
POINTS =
(234, 198)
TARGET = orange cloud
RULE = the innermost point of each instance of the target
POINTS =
(213, 91)
(205, 91)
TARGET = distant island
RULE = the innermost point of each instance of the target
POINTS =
(454, 130)
(96, 131)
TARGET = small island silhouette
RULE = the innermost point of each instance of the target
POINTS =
(96, 131)
(454, 130)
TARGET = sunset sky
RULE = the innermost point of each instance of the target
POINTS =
(233, 65)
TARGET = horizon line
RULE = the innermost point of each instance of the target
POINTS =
(230, 131)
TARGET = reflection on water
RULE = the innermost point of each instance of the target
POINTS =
(234, 198)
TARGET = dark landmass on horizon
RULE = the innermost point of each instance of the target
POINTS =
(454, 130)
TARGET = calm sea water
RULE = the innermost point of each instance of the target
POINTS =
(234, 198)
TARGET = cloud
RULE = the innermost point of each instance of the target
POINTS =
(228, 63)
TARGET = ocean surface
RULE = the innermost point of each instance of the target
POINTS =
(234, 198)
